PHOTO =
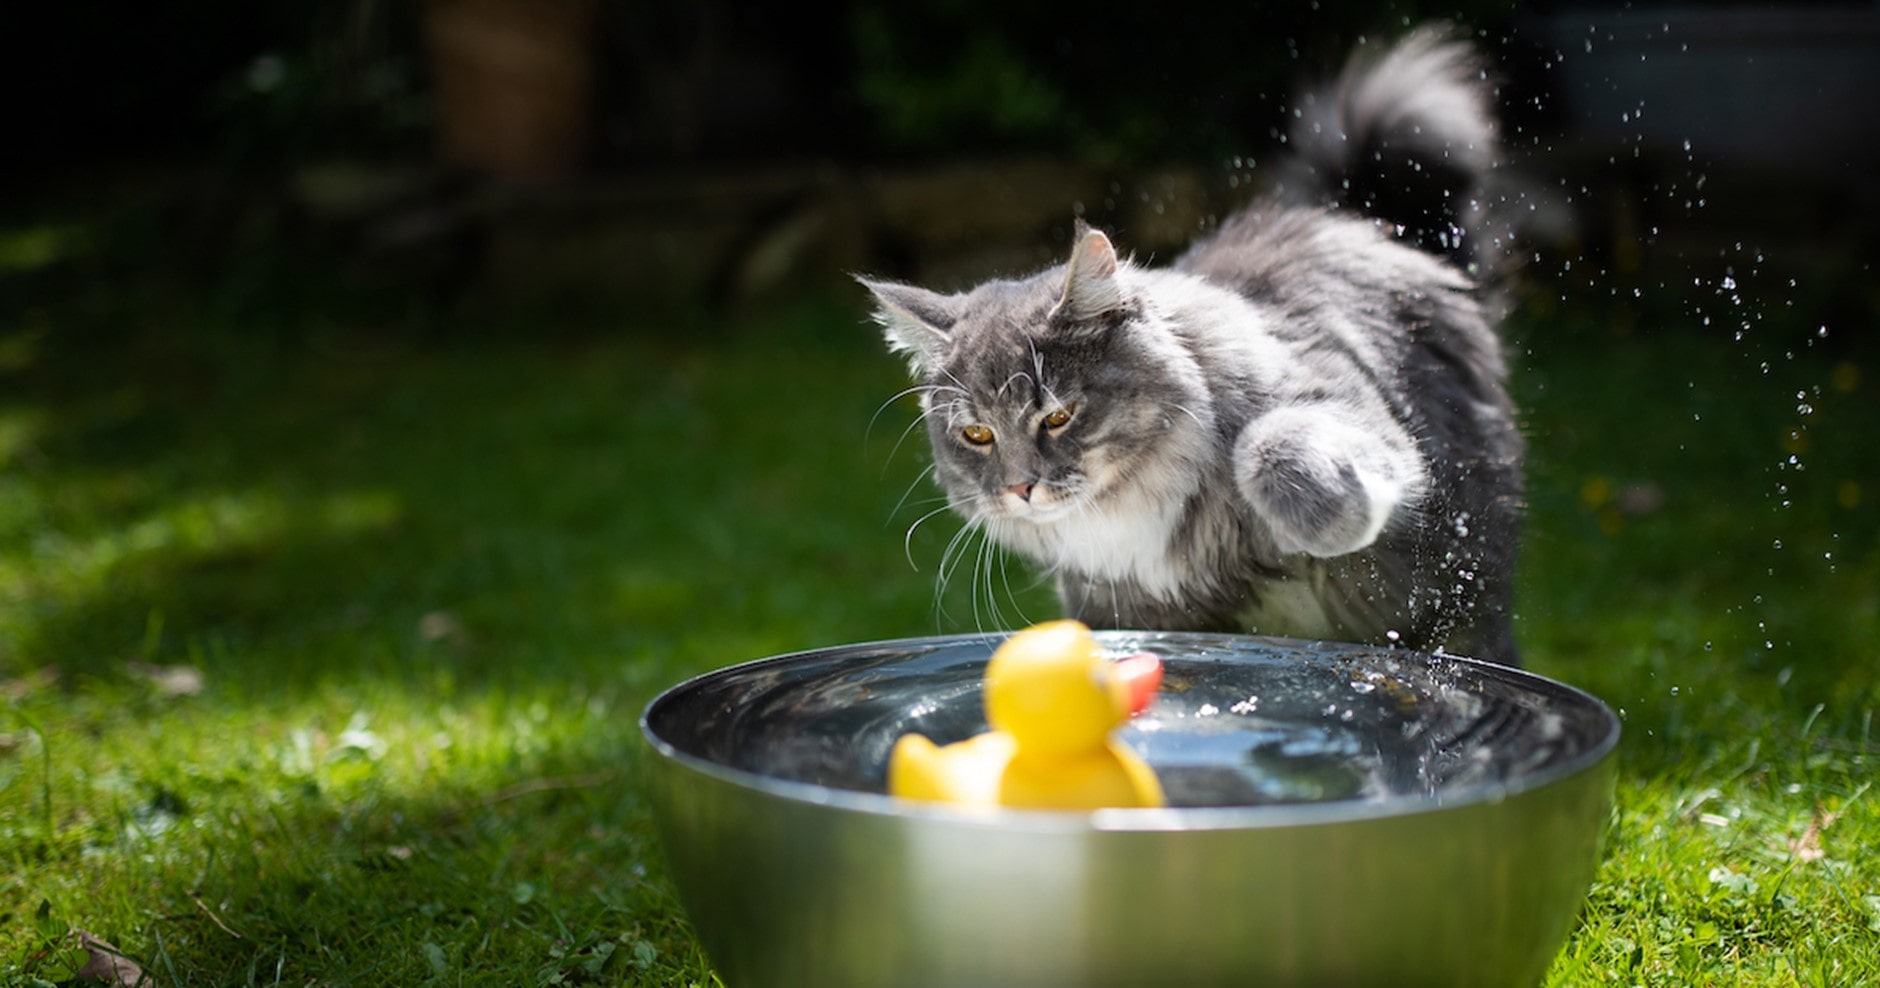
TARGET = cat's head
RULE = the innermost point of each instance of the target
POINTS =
(1051, 395)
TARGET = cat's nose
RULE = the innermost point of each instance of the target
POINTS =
(1022, 489)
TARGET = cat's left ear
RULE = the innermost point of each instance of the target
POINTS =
(1090, 288)
(914, 321)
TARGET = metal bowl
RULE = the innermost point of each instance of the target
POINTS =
(1342, 815)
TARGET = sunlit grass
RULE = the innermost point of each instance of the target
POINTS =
(1694, 564)
(428, 591)
(428, 586)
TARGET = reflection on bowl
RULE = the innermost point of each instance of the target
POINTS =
(1340, 815)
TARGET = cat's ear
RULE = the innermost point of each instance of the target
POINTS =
(913, 320)
(1090, 287)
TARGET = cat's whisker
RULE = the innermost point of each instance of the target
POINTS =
(952, 411)
(903, 502)
(914, 424)
(1005, 578)
(919, 389)
(1046, 392)
(992, 555)
(907, 541)
(979, 576)
(956, 551)
(911, 426)
(1018, 376)
(918, 503)
(1185, 410)
(950, 557)
(957, 385)
(942, 575)
(995, 559)
(869, 432)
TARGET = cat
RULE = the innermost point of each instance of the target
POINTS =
(1300, 427)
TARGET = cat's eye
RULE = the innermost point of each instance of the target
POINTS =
(978, 435)
(1057, 418)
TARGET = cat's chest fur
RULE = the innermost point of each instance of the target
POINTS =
(1127, 543)
(1169, 544)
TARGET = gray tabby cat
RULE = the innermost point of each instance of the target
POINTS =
(1301, 427)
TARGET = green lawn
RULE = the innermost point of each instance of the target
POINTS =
(323, 636)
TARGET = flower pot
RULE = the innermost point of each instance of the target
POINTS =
(514, 84)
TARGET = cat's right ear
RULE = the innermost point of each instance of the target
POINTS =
(913, 320)
(1090, 287)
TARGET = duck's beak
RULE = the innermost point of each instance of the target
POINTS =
(1141, 676)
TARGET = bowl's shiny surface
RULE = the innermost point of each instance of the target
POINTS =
(1346, 816)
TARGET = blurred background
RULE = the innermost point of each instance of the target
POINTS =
(682, 153)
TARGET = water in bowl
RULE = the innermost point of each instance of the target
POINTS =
(1237, 722)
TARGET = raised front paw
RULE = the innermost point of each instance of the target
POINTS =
(1324, 486)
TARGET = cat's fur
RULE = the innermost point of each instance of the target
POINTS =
(1300, 427)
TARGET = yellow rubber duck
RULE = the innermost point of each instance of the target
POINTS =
(1052, 700)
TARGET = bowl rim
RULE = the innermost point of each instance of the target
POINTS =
(1264, 816)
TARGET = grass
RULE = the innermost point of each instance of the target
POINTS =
(322, 638)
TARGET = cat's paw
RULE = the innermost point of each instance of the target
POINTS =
(1323, 486)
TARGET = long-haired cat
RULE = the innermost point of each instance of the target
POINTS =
(1300, 427)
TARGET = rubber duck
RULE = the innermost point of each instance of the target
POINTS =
(1052, 700)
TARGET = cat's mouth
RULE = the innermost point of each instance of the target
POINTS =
(1036, 502)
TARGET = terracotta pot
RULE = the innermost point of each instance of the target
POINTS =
(514, 81)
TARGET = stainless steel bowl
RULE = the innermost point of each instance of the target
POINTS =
(1345, 815)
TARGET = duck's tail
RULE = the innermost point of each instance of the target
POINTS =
(915, 770)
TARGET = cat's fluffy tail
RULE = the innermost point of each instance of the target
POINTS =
(1406, 135)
